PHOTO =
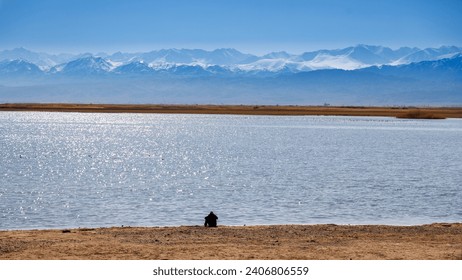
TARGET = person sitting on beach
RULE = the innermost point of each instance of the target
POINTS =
(211, 220)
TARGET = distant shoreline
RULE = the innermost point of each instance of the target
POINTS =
(440, 241)
(274, 110)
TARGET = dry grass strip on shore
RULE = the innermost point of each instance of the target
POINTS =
(435, 112)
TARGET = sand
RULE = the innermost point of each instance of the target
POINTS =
(320, 242)
(429, 112)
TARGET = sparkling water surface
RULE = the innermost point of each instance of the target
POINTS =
(61, 170)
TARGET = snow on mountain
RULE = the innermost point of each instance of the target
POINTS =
(135, 67)
(345, 59)
(446, 68)
(349, 58)
(370, 55)
(271, 65)
(88, 65)
(428, 55)
(18, 67)
(192, 69)
(185, 56)
(171, 56)
(326, 61)
(218, 70)
(188, 70)
(227, 60)
(352, 57)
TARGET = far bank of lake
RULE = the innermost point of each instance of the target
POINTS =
(284, 110)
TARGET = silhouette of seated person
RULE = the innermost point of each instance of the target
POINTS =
(211, 220)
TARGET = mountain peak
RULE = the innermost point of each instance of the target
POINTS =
(134, 67)
(86, 65)
(18, 66)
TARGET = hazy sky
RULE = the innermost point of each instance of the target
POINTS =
(256, 26)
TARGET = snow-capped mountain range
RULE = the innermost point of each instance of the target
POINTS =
(351, 58)
(360, 75)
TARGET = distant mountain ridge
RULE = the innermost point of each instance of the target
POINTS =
(88, 66)
(360, 75)
(350, 58)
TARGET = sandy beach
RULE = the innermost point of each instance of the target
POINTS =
(324, 242)
(427, 112)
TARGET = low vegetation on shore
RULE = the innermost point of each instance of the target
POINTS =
(420, 114)
(401, 112)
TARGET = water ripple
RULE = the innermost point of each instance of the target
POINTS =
(74, 170)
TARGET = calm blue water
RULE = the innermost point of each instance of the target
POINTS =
(61, 170)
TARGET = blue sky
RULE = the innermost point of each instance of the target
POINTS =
(255, 26)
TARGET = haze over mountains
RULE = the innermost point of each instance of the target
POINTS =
(359, 75)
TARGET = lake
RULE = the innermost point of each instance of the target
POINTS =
(68, 170)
